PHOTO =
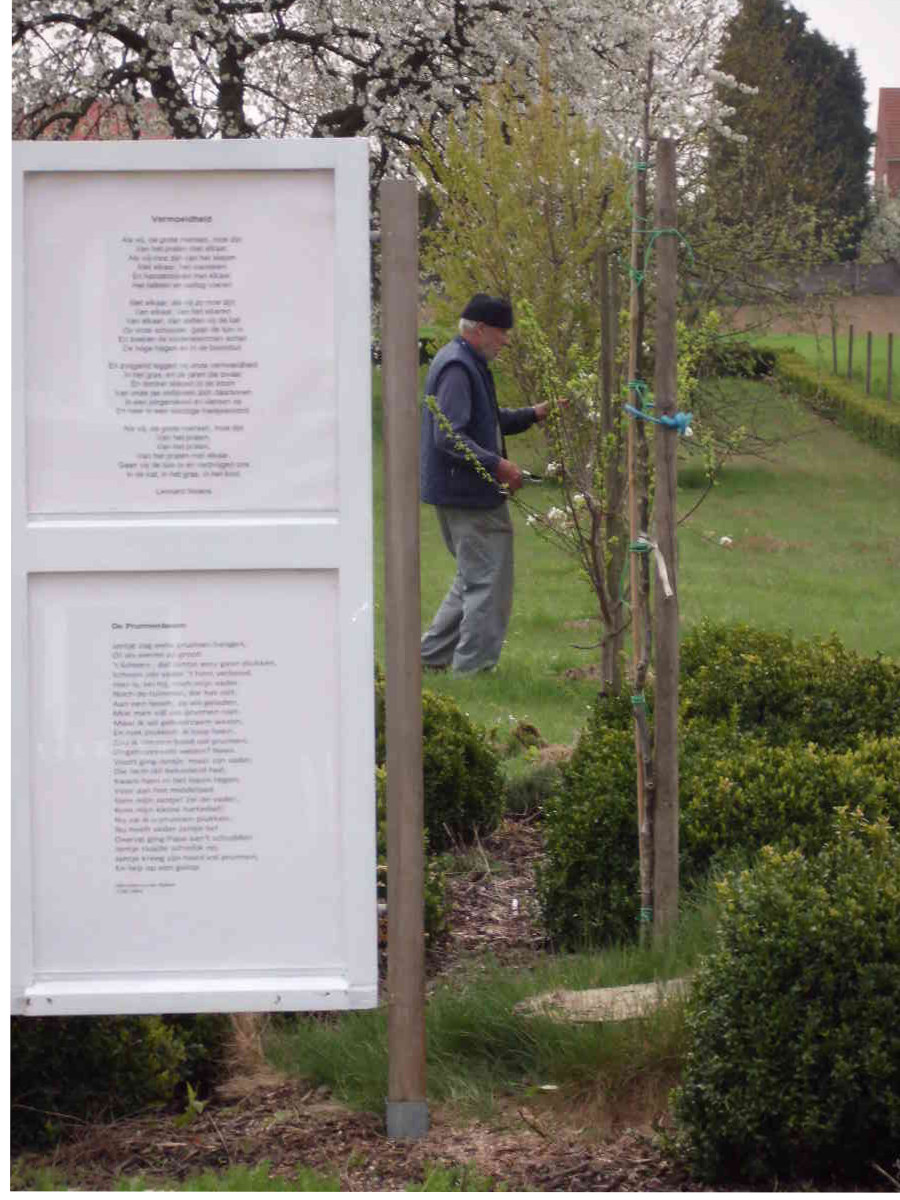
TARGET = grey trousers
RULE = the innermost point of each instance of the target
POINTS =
(469, 628)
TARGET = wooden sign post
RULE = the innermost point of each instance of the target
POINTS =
(407, 1108)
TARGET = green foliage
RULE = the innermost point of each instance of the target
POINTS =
(437, 913)
(257, 1178)
(820, 155)
(775, 736)
(815, 690)
(588, 881)
(872, 420)
(86, 1068)
(739, 792)
(526, 196)
(466, 1178)
(527, 791)
(793, 1071)
(710, 353)
(463, 782)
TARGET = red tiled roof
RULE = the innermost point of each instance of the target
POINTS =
(107, 121)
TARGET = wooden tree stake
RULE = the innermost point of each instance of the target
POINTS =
(665, 608)
(643, 749)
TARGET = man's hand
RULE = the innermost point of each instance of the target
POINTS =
(510, 474)
(542, 410)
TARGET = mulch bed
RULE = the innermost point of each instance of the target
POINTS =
(259, 1116)
(290, 1126)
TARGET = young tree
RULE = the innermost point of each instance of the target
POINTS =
(531, 204)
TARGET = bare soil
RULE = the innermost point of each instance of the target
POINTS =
(530, 1145)
(878, 315)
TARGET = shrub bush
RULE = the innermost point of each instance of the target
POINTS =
(103, 1067)
(587, 882)
(809, 690)
(793, 1070)
(738, 792)
(436, 905)
(463, 782)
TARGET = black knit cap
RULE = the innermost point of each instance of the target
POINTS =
(491, 310)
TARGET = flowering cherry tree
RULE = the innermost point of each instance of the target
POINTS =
(385, 69)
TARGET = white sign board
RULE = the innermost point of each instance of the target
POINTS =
(193, 793)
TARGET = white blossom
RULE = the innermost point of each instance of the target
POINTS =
(386, 69)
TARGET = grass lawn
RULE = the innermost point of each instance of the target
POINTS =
(815, 528)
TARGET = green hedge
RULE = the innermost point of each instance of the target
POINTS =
(793, 1068)
(872, 420)
(737, 794)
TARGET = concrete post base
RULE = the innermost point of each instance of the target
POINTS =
(407, 1118)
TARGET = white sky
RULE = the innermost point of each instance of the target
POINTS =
(872, 29)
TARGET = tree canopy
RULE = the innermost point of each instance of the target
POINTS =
(807, 139)
(389, 70)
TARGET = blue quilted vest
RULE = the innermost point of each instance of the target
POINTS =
(446, 479)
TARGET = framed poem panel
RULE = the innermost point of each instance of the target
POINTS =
(193, 785)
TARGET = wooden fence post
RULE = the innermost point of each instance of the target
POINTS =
(665, 605)
(407, 1108)
(890, 366)
(850, 353)
(869, 362)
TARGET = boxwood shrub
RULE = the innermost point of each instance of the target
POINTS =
(793, 1068)
(463, 781)
(437, 907)
(774, 736)
(587, 881)
(737, 794)
(91, 1068)
(814, 690)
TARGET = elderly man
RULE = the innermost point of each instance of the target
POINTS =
(467, 476)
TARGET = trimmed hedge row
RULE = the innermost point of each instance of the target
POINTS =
(872, 420)
(774, 737)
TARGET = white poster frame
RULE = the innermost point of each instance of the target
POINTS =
(337, 540)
